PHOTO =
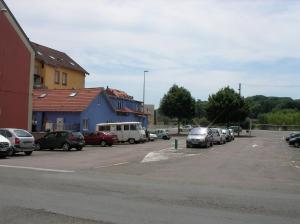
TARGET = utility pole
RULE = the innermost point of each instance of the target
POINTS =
(240, 88)
(144, 92)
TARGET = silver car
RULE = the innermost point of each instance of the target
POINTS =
(200, 137)
(21, 140)
(218, 136)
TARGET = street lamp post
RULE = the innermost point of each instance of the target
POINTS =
(144, 92)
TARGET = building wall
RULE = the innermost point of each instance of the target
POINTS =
(75, 79)
(71, 120)
(100, 111)
(16, 58)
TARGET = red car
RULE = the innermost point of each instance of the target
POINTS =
(100, 138)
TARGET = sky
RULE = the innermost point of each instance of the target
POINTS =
(200, 45)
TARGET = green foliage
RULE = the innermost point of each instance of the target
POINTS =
(200, 109)
(178, 103)
(226, 106)
(262, 104)
(281, 117)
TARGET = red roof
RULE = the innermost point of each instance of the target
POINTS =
(62, 100)
(55, 58)
(118, 93)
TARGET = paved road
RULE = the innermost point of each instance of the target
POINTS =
(250, 180)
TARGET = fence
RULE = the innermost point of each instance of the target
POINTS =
(276, 127)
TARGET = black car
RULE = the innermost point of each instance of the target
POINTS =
(292, 135)
(295, 141)
(65, 140)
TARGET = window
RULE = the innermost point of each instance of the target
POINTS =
(85, 124)
(133, 127)
(119, 127)
(64, 78)
(120, 104)
(126, 127)
(57, 77)
(98, 100)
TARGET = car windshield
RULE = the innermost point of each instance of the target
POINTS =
(22, 133)
(198, 131)
(77, 134)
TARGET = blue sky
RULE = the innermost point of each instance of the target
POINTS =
(201, 45)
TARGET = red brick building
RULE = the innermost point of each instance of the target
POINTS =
(16, 72)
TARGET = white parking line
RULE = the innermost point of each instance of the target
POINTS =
(116, 164)
(38, 169)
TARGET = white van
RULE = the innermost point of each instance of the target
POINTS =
(126, 131)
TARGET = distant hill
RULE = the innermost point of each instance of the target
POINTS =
(260, 104)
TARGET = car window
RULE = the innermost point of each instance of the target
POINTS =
(133, 127)
(76, 134)
(50, 135)
(126, 127)
(119, 127)
(22, 133)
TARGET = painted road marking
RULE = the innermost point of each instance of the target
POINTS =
(38, 169)
(254, 146)
(116, 164)
(293, 164)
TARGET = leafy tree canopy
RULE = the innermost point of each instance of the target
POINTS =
(178, 103)
(226, 106)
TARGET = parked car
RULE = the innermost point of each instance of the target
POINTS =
(236, 129)
(5, 147)
(100, 138)
(186, 128)
(152, 137)
(200, 137)
(21, 140)
(295, 140)
(231, 132)
(162, 134)
(291, 135)
(65, 140)
(218, 136)
(227, 135)
(131, 132)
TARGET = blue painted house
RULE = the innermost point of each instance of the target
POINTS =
(82, 109)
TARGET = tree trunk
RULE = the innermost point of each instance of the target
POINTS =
(178, 126)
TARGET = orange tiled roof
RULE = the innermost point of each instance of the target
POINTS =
(118, 93)
(60, 100)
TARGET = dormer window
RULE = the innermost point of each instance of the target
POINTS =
(73, 94)
(43, 95)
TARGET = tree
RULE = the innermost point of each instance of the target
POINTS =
(226, 106)
(178, 103)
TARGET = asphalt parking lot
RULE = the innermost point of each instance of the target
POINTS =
(250, 180)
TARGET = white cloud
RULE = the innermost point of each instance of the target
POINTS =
(115, 40)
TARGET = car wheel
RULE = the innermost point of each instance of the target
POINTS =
(66, 146)
(131, 141)
(103, 143)
(37, 146)
(296, 144)
(28, 153)
(207, 145)
(11, 152)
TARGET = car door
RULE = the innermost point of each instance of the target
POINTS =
(47, 141)
(60, 138)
